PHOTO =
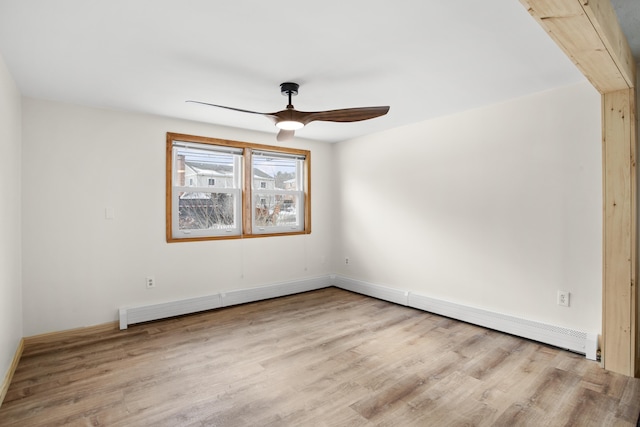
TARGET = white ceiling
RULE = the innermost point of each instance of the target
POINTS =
(424, 58)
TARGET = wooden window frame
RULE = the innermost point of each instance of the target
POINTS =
(246, 214)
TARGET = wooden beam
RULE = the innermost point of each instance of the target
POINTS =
(605, 22)
(619, 185)
(589, 33)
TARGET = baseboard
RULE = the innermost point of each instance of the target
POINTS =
(570, 339)
(68, 334)
(12, 369)
(144, 313)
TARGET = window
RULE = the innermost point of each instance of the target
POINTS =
(235, 189)
(198, 209)
(278, 200)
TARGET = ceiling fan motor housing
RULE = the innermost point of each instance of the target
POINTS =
(289, 88)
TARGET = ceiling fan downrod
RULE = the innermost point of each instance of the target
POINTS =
(289, 89)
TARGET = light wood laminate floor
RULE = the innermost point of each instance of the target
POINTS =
(322, 358)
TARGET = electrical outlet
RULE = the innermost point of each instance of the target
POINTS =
(346, 260)
(563, 298)
(151, 282)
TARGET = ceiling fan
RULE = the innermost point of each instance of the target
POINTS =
(291, 119)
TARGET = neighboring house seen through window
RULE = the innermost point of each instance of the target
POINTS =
(235, 189)
(277, 208)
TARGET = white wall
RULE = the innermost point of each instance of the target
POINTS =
(495, 208)
(79, 267)
(10, 244)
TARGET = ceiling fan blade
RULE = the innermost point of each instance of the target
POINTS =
(285, 135)
(345, 114)
(230, 108)
(290, 119)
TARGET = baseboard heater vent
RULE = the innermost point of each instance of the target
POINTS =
(376, 291)
(275, 290)
(570, 339)
(146, 313)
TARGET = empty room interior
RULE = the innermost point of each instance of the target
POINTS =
(368, 213)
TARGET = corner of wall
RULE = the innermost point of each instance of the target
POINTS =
(11, 322)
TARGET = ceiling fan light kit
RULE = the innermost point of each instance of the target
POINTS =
(290, 119)
(289, 125)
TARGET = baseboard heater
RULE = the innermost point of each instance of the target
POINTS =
(570, 339)
(162, 310)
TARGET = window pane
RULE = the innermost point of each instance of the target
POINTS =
(203, 168)
(276, 210)
(206, 211)
(275, 173)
